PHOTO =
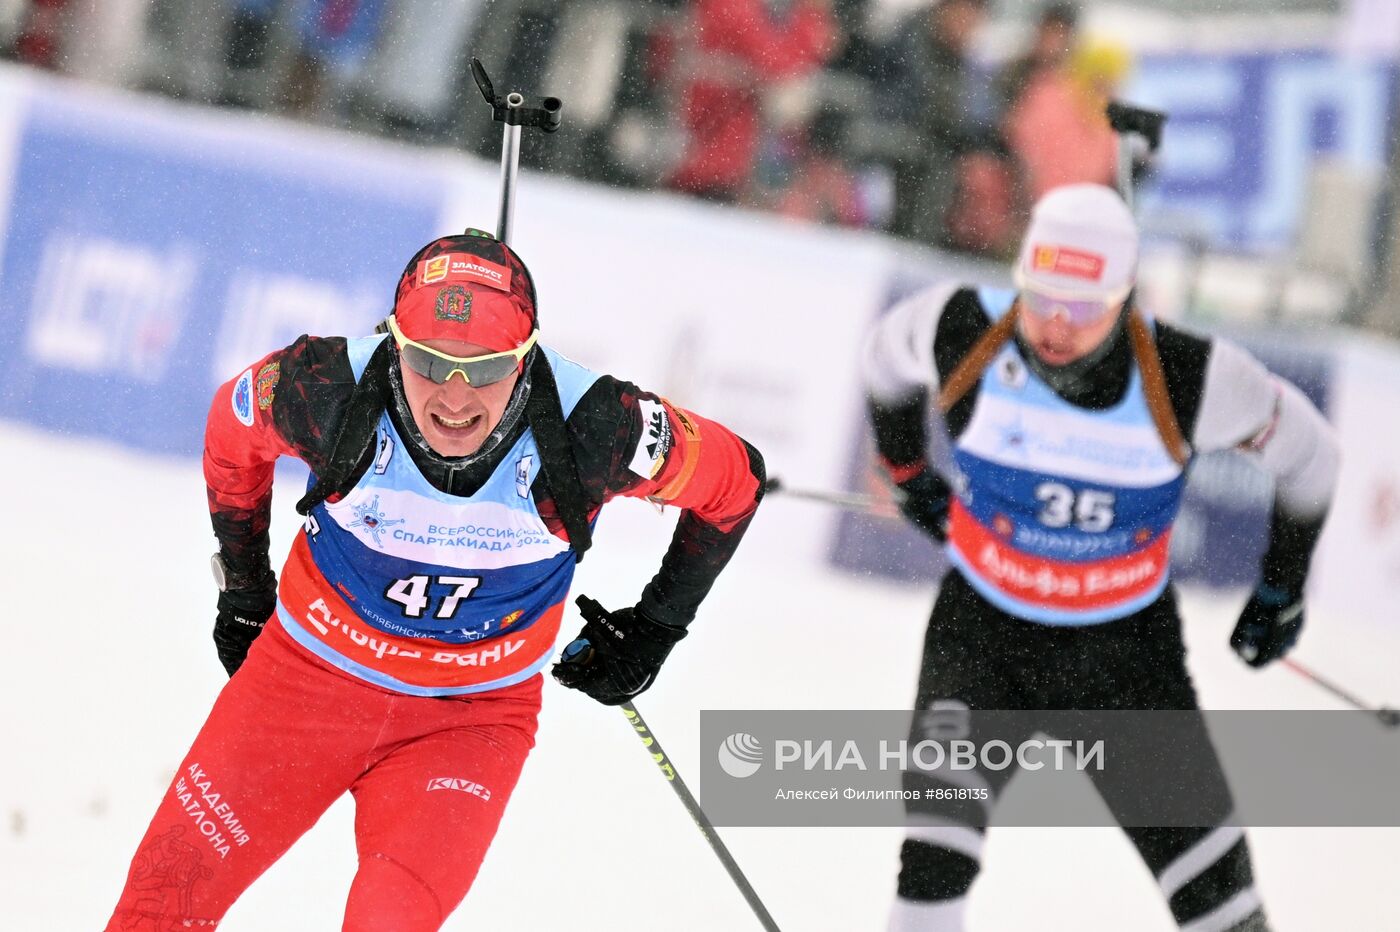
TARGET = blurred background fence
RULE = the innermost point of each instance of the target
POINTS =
(937, 121)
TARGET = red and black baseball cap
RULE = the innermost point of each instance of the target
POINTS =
(468, 287)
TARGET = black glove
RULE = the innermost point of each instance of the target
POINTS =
(617, 654)
(1269, 625)
(242, 614)
(925, 503)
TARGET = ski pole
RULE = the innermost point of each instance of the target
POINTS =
(510, 167)
(1388, 716)
(697, 815)
(512, 111)
(853, 501)
(1127, 121)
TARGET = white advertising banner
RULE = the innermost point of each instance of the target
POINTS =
(1357, 570)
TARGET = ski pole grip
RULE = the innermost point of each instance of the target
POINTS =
(513, 110)
(551, 114)
(590, 609)
(483, 81)
(1125, 118)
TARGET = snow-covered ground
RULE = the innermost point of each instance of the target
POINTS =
(107, 670)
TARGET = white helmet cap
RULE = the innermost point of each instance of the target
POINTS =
(1082, 245)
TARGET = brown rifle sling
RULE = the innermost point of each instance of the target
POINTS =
(1154, 387)
(1149, 363)
(970, 369)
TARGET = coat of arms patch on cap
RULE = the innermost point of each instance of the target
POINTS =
(453, 303)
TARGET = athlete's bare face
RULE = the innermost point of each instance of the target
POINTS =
(1059, 341)
(456, 418)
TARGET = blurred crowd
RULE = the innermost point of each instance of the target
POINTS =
(825, 110)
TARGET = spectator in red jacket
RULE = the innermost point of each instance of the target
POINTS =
(732, 50)
(40, 39)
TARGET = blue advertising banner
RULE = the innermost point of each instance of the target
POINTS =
(1244, 129)
(153, 252)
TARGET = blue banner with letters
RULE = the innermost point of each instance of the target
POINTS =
(153, 252)
(1244, 129)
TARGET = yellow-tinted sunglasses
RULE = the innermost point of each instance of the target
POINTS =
(476, 370)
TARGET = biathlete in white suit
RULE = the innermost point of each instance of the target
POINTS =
(458, 466)
(1074, 419)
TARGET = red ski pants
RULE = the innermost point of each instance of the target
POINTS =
(287, 736)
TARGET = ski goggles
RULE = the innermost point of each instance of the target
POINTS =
(1078, 312)
(476, 371)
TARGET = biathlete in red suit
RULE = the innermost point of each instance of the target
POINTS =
(457, 468)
